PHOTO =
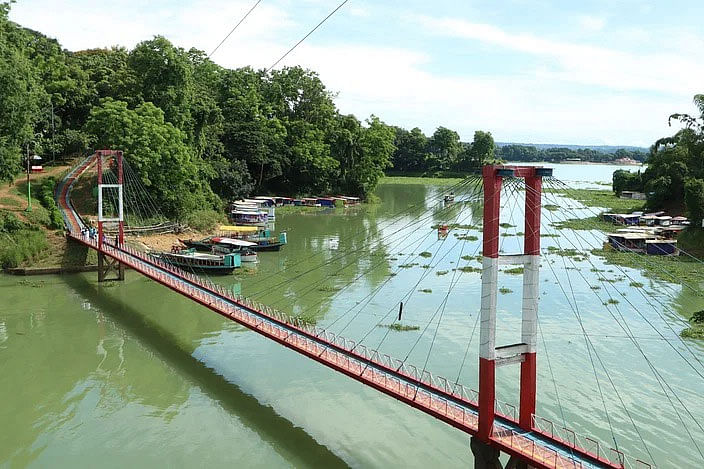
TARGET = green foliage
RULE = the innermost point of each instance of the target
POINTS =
(18, 241)
(626, 181)
(697, 318)
(400, 327)
(45, 194)
(156, 150)
(204, 220)
(694, 200)
(691, 241)
(191, 129)
(674, 162)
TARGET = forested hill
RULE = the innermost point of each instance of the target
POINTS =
(199, 134)
(521, 152)
(599, 148)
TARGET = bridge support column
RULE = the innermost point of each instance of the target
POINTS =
(485, 456)
(106, 265)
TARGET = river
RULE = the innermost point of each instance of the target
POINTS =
(132, 374)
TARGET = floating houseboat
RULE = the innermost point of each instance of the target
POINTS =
(630, 242)
(622, 218)
(326, 202)
(661, 247)
(200, 262)
(249, 217)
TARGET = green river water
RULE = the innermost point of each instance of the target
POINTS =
(133, 375)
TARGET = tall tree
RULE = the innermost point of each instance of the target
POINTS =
(445, 146)
(157, 151)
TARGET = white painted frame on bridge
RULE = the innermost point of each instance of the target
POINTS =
(100, 202)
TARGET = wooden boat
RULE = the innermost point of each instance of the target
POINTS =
(195, 261)
(227, 244)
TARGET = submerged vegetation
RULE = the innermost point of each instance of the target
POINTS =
(398, 327)
(696, 328)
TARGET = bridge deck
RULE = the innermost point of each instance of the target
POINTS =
(451, 403)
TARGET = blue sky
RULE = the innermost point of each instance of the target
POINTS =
(588, 72)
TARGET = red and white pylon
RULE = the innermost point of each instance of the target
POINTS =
(491, 356)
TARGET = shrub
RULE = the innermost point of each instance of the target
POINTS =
(204, 220)
(22, 245)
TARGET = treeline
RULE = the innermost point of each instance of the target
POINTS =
(531, 153)
(674, 178)
(196, 133)
(443, 151)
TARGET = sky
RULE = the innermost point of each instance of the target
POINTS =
(594, 72)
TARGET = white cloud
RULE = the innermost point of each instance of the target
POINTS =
(583, 63)
(592, 23)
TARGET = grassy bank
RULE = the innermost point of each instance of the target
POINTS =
(19, 241)
(429, 181)
(672, 269)
(600, 198)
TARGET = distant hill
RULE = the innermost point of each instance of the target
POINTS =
(601, 148)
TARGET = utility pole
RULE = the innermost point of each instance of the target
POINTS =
(29, 189)
(53, 131)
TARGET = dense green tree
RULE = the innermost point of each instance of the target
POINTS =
(626, 181)
(676, 166)
(156, 150)
(363, 153)
(21, 96)
(445, 147)
(480, 151)
(411, 152)
(694, 200)
(165, 78)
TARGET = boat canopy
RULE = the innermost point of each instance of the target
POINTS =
(239, 228)
(233, 242)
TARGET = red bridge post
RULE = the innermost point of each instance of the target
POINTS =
(524, 352)
(105, 264)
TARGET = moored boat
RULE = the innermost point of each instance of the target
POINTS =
(200, 262)
(250, 217)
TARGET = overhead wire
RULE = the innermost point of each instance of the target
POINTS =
(235, 27)
(589, 344)
(667, 324)
(661, 381)
(364, 232)
(306, 36)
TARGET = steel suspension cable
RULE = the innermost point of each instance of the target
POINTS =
(667, 324)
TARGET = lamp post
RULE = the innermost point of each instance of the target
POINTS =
(29, 185)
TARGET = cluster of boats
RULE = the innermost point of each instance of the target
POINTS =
(646, 233)
(226, 252)
(261, 210)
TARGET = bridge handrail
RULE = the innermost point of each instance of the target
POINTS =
(583, 443)
(456, 404)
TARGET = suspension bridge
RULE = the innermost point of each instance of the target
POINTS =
(495, 427)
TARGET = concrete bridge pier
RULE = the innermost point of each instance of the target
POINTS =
(487, 457)
(106, 265)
